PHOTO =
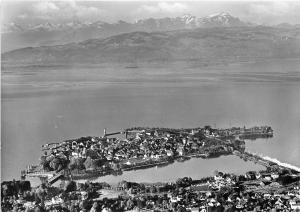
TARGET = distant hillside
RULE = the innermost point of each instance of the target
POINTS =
(204, 44)
(18, 35)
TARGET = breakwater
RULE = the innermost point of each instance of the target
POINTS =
(282, 164)
(266, 161)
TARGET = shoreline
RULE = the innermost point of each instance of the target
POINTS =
(193, 143)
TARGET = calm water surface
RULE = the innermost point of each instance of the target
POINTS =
(52, 105)
(195, 168)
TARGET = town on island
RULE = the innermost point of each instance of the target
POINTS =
(68, 169)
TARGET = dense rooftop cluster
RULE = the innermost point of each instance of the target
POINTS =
(223, 192)
(141, 147)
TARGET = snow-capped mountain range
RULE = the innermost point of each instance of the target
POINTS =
(186, 21)
(20, 35)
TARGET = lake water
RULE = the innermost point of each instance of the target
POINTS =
(195, 168)
(40, 105)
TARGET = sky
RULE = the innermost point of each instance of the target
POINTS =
(34, 12)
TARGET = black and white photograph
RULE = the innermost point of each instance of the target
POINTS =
(150, 106)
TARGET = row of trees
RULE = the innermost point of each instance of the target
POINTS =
(58, 163)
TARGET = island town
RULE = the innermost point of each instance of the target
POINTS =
(63, 166)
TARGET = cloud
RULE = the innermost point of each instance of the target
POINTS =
(22, 16)
(172, 7)
(274, 12)
(69, 9)
(45, 7)
(163, 7)
(263, 12)
(271, 8)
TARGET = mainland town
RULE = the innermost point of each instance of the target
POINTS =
(67, 169)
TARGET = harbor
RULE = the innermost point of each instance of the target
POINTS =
(90, 157)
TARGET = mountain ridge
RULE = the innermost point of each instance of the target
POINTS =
(186, 18)
(230, 44)
(16, 35)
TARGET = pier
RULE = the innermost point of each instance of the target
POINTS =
(56, 177)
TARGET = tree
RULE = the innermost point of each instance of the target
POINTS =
(153, 189)
(207, 127)
(45, 163)
(129, 204)
(95, 207)
(76, 163)
(88, 163)
(40, 194)
(70, 186)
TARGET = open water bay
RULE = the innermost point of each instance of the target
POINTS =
(52, 105)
